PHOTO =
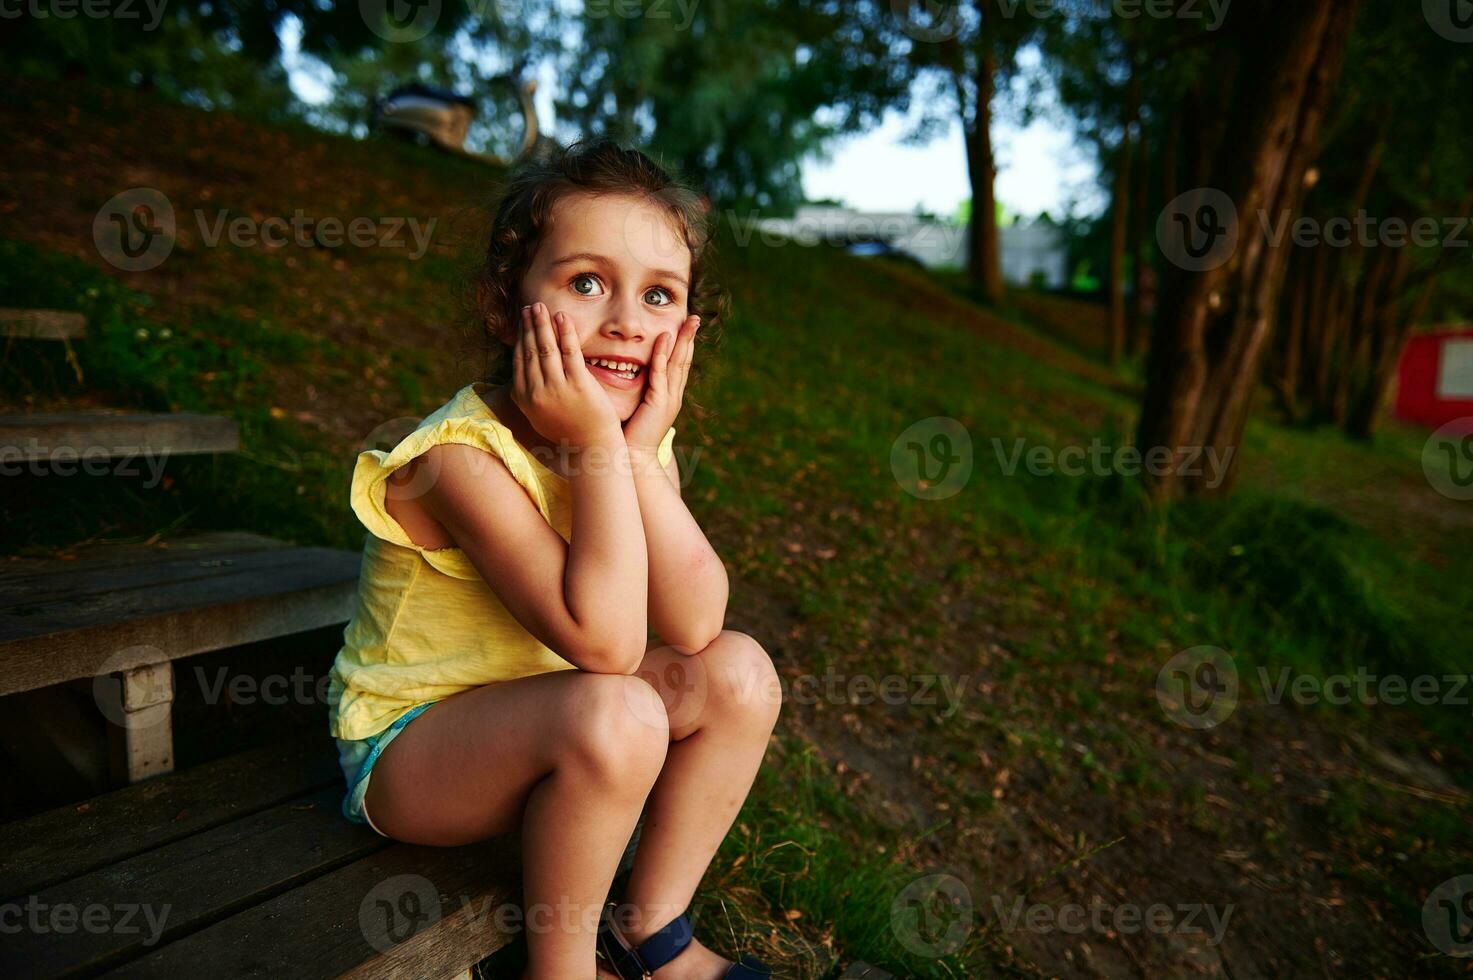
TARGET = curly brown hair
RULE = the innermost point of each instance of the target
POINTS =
(598, 166)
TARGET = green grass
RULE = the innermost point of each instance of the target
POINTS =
(1059, 597)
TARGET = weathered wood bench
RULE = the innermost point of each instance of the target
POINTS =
(121, 614)
(69, 437)
(41, 324)
(244, 868)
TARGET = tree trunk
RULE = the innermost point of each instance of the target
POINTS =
(984, 261)
(1211, 332)
(1120, 216)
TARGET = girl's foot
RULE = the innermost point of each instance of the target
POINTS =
(696, 962)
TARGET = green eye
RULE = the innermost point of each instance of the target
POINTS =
(582, 277)
(660, 292)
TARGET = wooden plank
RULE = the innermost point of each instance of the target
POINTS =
(66, 620)
(54, 441)
(42, 324)
(41, 851)
(446, 907)
(185, 886)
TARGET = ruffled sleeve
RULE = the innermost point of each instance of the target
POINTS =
(371, 473)
(373, 468)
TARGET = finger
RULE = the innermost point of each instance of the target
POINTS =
(659, 365)
(531, 363)
(518, 369)
(548, 355)
(685, 350)
(569, 345)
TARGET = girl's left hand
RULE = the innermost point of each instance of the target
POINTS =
(668, 370)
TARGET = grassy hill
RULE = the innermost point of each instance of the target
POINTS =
(1028, 616)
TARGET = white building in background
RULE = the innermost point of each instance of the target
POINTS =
(937, 244)
(1030, 250)
(1034, 252)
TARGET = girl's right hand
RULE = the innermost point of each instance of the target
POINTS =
(554, 388)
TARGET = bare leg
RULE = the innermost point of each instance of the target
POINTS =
(722, 705)
(569, 756)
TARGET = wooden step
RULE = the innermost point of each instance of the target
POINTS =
(41, 324)
(42, 851)
(67, 438)
(248, 869)
(120, 607)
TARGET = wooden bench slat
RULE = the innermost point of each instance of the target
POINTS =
(321, 929)
(107, 435)
(53, 847)
(42, 324)
(187, 885)
(31, 579)
(75, 619)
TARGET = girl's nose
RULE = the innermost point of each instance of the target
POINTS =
(624, 321)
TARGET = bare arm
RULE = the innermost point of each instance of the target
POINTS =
(687, 582)
(585, 600)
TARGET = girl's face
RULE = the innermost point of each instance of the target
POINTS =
(617, 266)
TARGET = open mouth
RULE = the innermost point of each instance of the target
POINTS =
(616, 373)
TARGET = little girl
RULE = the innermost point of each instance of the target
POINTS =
(497, 673)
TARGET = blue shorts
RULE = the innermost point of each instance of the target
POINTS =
(357, 757)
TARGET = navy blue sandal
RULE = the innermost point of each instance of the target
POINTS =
(664, 945)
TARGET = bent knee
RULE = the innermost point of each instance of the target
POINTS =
(619, 728)
(746, 683)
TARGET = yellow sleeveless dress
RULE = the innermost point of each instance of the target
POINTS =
(425, 624)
